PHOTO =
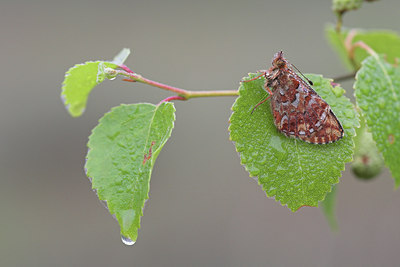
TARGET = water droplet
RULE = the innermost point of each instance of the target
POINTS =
(127, 241)
(263, 160)
(381, 103)
(112, 78)
(243, 158)
(361, 75)
(271, 191)
(254, 171)
(347, 124)
(349, 114)
(363, 106)
(365, 90)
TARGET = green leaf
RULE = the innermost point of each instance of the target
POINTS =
(82, 78)
(381, 41)
(377, 90)
(337, 42)
(328, 207)
(296, 173)
(123, 148)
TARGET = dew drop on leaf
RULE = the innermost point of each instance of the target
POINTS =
(254, 171)
(398, 106)
(365, 90)
(127, 241)
(349, 114)
(381, 103)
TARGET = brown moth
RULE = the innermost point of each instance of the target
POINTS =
(299, 112)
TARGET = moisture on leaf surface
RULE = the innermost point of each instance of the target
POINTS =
(296, 173)
(82, 78)
(123, 148)
(377, 91)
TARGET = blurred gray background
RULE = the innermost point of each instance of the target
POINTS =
(203, 210)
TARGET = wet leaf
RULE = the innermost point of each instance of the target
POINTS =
(82, 78)
(296, 173)
(123, 148)
(377, 91)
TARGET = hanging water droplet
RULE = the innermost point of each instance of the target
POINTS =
(112, 78)
(127, 241)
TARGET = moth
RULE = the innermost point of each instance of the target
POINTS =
(299, 112)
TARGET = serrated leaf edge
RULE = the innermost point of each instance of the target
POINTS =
(255, 177)
(153, 158)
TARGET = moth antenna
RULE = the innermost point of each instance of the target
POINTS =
(308, 80)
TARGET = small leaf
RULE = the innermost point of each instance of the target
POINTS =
(328, 207)
(296, 173)
(381, 41)
(377, 90)
(82, 78)
(123, 148)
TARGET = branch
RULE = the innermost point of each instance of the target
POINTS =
(182, 93)
(344, 77)
(350, 47)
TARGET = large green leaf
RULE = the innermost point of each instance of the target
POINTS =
(381, 41)
(82, 78)
(377, 90)
(123, 148)
(296, 173)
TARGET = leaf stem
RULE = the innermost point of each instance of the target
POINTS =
(339, 22)
(182, 93)
(344, 77)
(125, 68)
(175, 97)
(350, 47)
(364, 46)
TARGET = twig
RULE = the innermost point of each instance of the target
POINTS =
(182, 93)
(344, 77)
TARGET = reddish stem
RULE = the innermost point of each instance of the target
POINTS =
(175, 97)
(129, 80)
(350, 47)
(364, 46)
(125, 68)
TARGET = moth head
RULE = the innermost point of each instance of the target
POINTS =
(279, 61)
